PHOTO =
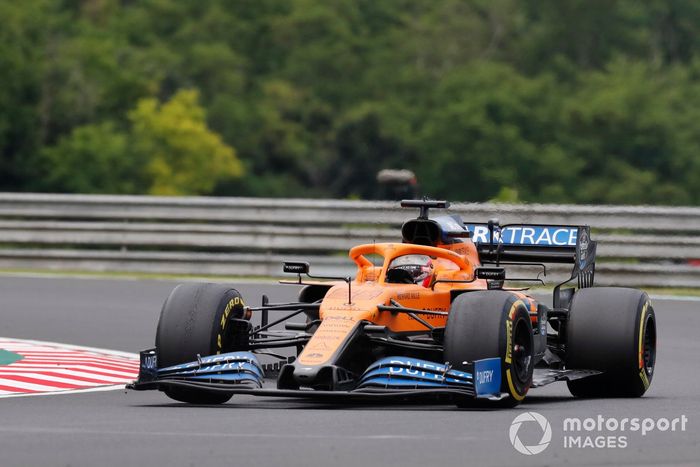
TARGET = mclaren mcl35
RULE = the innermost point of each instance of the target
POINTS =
(430, 317)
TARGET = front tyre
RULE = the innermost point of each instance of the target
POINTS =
(196, 320)
(487, 324)
(612, 330)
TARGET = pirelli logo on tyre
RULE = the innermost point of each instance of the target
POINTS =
(235, 301)
(509, 341)
(509, 330)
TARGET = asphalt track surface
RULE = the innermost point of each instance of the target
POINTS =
(120, 428)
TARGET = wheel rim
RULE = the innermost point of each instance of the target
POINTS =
(649, 346)
(522, 351)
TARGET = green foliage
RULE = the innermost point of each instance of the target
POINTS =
(165, 150)
(92, 159)
(22, 34)
(184, 156)
(584, 101)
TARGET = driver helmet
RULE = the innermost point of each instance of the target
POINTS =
(420, 267)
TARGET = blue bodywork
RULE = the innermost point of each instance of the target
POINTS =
(391, 373)
(404, 373)
(232, 367)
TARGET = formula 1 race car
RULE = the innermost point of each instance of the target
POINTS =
(428, 318)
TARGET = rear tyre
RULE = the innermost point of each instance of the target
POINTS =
(613, 330)
(195, 320)
(489, 324)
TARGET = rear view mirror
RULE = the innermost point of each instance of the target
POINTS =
(492, 274)
(295, 267)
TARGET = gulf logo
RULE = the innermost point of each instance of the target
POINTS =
(30, 368)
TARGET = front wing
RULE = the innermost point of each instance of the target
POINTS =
(395, 378)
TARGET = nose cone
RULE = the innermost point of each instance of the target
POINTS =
(319, 377)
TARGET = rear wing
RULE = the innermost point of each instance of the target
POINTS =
(537, 243)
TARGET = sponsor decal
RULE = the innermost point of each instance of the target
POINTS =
(332, 332)
(484, 377)
(320, 345)
(524, 235)
(417, 368)
(408, 296)
(491, 273)
(344, 307)
(422, 368)
(487, 374)
(30, 367)
(509, 340)
(408, 372)
(149, 362)
(148, 370)
(236, 301)
(358, 293)
(428, 317)
(583, 248)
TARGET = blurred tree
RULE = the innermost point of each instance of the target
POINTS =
(492, 128)
(94, 158)
(623, 123)
(575, 101)
(364, 144)
(166, 149)
(23, 27)
(184, 156)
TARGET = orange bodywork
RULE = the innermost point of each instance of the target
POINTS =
(341, 313)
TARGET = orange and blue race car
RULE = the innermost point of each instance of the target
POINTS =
(430, 317)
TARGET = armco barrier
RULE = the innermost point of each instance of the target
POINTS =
(248, 236)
